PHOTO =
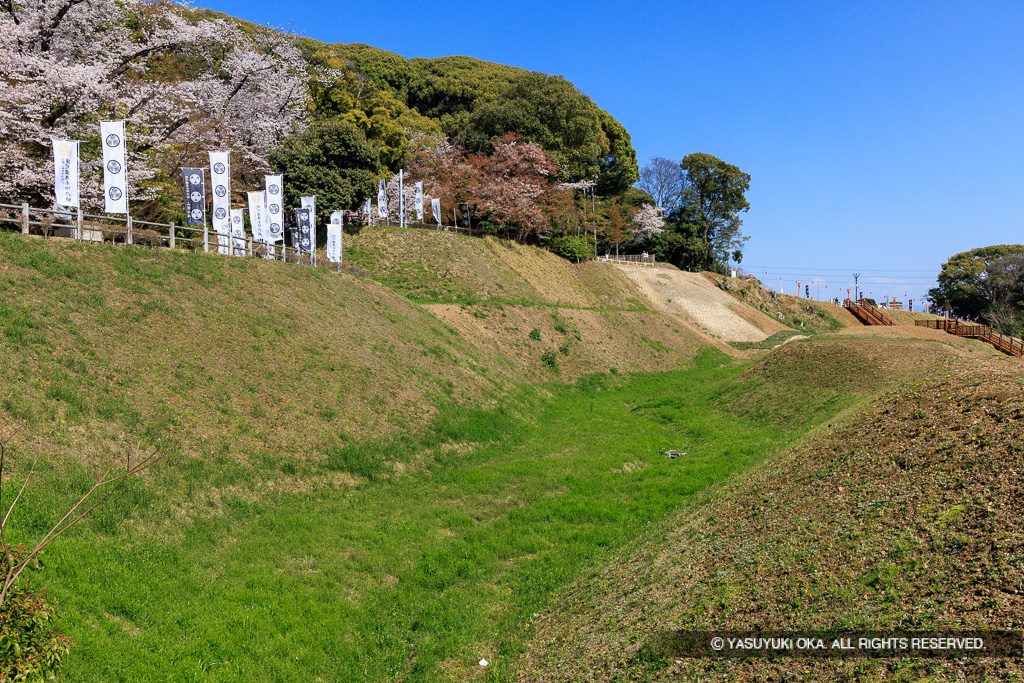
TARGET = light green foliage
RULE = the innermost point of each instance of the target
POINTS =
(572, 247)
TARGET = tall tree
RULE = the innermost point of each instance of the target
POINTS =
(510, 185)
(712, 198)
(663, 179)
(186, 82)
(972, 282)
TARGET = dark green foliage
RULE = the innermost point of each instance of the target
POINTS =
(548, 110)
(988, 283)
(535, 334)
(704, 230)
(31, 645)
(475, 101)
(331, 160)
(573, 248)
(617, 168)
(448, 88)
(549, 359)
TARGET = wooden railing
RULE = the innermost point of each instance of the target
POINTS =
(1004, 342)
(869, 315)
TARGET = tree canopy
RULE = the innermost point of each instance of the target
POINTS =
(331, 160)
(704, 228)
(986, 283)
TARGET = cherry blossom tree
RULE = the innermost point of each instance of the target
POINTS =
(184, 81)
(647, 222)
(511, 183)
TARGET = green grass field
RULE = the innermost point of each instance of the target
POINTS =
(436, 557)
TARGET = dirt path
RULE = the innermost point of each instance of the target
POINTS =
(692, 296)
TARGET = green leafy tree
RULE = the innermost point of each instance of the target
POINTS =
(573, 248)
(331, 160)
(617, 168)
(550, 111)
(710, 202)
(985, 282)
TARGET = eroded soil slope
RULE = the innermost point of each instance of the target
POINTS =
(709, 308)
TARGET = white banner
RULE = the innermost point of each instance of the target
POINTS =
(258, 216)
(238, 231)
(401, 200)
(220, 179)
(334, 237)
(115, 182)
(368, 207)
(275, 208)
(435, 207)
(419, 200)
(382, 201)
(65, 173)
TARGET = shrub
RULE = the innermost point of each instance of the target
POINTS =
(31, 645)
(550, 360)
(535, 334)
(573, 248)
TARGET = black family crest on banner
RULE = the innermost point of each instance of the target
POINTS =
(195, 196)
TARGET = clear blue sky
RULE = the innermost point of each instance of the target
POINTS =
(881, 138)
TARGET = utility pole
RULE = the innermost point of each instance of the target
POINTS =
(856, 294)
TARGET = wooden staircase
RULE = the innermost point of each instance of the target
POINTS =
(869, 315)
(1004, 342)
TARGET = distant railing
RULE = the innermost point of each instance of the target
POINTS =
(639, 259)
(84, 227)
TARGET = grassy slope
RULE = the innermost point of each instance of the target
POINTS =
(328, 440)
(356, 488)
(497, 292)
(903, 514)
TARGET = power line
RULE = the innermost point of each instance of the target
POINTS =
(838, 270)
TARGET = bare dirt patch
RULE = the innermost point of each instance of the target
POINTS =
(699, 301)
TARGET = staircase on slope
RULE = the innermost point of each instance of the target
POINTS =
(869, 315)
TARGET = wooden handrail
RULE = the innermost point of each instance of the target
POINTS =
(1004, 342)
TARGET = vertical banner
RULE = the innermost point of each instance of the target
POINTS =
(195, 196)
(238, 231)
(464, 208)
(302, 217)
(309, 203)
(258, 216)
(115, 181)
(334, 237)
(382, 201)
(435, 207)
(419, 201)
(368, 207)
(401, 200)
(294, 231)
(275, 208)
(220, 179)
(65, 173)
